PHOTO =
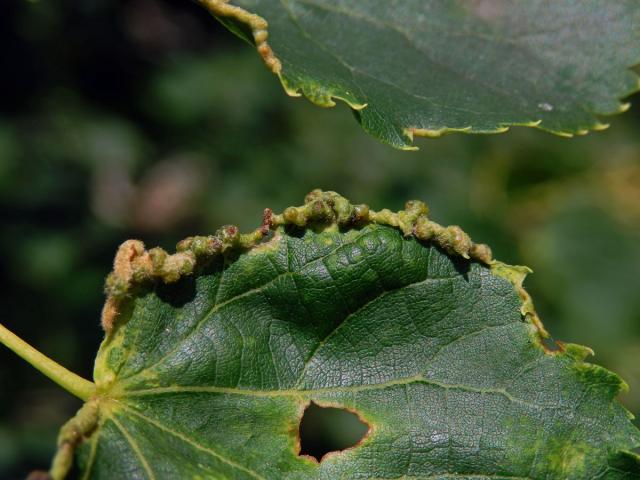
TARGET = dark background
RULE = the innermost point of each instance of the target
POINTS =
(146, 119)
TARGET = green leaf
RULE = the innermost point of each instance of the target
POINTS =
(427, 67)
(212, 354)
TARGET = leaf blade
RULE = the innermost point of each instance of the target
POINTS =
(428, 68)
(209, 374)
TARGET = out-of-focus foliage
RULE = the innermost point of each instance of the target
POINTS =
(146, 120)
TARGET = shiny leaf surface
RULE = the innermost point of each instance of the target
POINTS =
(425, 68)
(207, 374)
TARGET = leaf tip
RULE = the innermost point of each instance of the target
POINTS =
(560, 133)
(623, 107)
(288, 88)
(412, 132)
(577, 352)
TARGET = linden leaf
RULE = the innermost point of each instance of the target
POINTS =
(213, 353)
(427, 67)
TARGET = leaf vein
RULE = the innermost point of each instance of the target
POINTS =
(217, 306)
(135, 447)
(415, 379)
(189, 441)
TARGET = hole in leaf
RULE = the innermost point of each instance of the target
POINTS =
(327, 429)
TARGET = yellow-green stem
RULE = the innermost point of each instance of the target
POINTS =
(68, 380)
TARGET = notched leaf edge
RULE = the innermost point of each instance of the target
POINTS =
(324, 96)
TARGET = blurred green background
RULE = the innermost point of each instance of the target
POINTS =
(146, 119)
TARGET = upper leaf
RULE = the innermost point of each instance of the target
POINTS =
(427, 67)
(212, 354)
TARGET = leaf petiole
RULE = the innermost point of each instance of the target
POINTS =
(68, 380)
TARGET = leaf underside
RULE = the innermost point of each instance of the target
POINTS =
(208, 377)
(426, 67)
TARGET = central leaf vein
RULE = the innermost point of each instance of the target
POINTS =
(415, 379)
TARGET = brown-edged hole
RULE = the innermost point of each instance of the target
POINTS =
(327, 429)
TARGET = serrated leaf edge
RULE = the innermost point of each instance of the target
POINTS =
(326, 96)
